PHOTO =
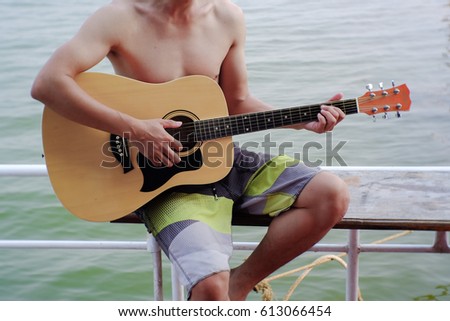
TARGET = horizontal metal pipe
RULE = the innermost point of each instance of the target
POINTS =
(41, 170)
(80, 245)
(399, 248)
(240, 246)
(23, 170)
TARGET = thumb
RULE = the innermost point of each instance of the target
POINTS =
(168, 123)
(338, 96)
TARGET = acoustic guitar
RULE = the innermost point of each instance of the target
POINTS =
(100, 176)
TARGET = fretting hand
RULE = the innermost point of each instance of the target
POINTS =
(328, 117)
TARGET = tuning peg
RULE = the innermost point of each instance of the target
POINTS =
(385, 93)
(398, 107)
(386, 108)
(396, 90)
(369, 87)
(374, 111)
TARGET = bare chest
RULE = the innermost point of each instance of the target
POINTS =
(162, 55)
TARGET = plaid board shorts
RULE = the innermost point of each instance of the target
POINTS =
(192, 223)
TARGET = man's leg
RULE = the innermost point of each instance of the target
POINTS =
(194, 231)
(213, 288)
(321, 204)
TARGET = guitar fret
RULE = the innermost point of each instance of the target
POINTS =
(272, 120)
(261, 121)
(229, 126)
(223, 127)
(213, 128)
(203, 130)
(286, 117)
(245, 124)
(210, 131)
(233, 124)
(216, 127)
(205, 135)
(195, 133)
(240, 124)
(257, 122)
(198, 131)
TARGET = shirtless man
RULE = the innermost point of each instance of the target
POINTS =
(160, 40)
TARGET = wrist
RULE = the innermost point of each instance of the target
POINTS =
(126, 126)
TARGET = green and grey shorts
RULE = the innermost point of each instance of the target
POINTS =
(192, 223)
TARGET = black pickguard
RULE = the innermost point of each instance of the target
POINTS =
(155, 177)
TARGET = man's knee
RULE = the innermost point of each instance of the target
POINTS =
(328, 194)
(212, 288)
(335, 195)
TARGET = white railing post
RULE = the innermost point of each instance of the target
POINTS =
(352, 285)
(153, 247)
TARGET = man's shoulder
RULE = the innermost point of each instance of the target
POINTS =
(228, 9)
(117, 9)
(229, 12)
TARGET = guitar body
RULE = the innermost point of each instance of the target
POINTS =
(93, 184)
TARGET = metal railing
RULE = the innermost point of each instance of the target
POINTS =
(352, 248)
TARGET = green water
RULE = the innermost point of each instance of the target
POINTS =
(297, 53)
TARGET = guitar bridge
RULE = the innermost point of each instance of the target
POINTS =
(121, 152)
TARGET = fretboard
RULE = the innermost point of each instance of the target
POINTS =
(215, 128)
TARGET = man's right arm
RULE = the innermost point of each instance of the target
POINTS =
(55, 85)
(56, 88)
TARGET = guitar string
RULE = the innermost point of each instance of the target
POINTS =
(213, 128)
(362, 99)
(275, 112)
(279, 117)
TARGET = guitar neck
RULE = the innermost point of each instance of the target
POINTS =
(215, 128)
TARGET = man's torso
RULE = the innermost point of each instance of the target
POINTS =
(155, 48)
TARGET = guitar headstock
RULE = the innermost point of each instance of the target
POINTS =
(383, 101)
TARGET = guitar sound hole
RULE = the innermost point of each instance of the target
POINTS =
(185, 134)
